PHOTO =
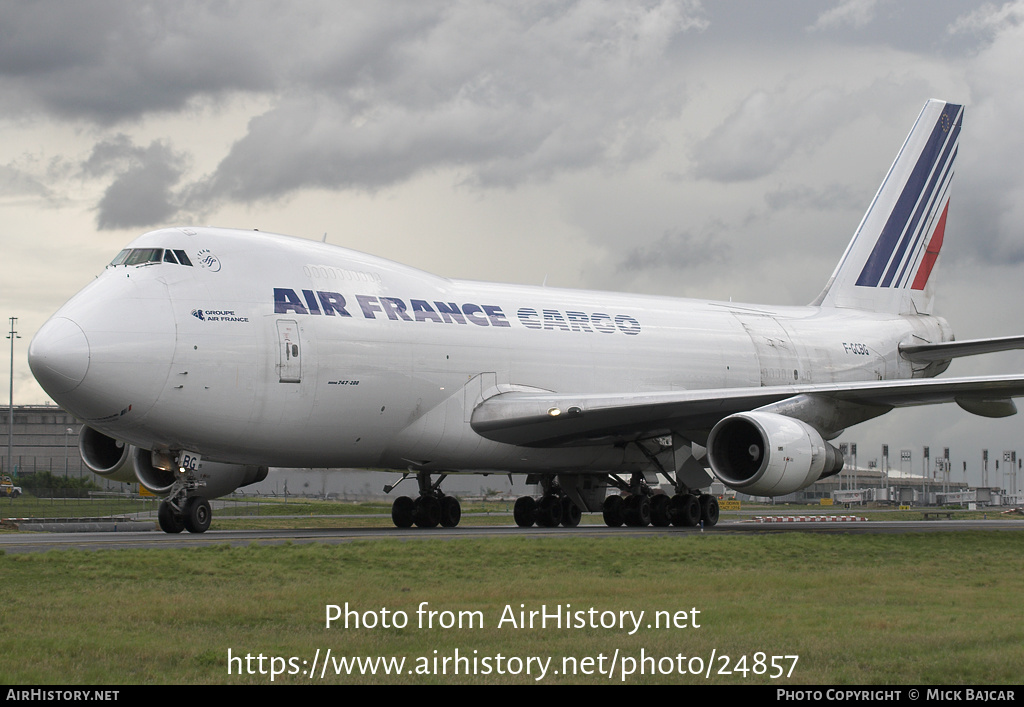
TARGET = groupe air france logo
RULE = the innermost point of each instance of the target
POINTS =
(219, 315)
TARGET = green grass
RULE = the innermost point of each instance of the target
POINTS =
(935, 608)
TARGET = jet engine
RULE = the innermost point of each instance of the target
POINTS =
(105, 456)
(157, 471)
(766, 454)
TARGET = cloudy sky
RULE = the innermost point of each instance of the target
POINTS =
(692, 148)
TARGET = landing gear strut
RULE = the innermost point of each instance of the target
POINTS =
(428, 510)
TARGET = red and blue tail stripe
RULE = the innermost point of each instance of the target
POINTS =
(897, 251)
(888, 262)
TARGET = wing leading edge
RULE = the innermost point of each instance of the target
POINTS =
(535, 419)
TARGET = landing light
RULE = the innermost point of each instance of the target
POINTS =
(554, 412)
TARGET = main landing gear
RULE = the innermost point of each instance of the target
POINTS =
(428, 510)
(553, 509)
(637, 505)
(641, 506)
(660, 510)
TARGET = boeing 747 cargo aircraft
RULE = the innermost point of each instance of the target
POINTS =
(201, 356)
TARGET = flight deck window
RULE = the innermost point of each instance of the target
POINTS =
(141, 256)
(145, 256)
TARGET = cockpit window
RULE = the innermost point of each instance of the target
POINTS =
(139, 256)
(145, 256)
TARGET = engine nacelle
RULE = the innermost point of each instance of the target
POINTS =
(105, 456)
(157, 471)
(766, 454)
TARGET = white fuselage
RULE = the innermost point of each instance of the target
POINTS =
(285, 352)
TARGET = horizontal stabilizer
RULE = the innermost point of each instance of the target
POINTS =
(945, 350)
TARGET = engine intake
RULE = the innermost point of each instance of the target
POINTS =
(766, 454)
(106, 456)
(154, 471)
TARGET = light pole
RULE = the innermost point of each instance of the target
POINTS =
(10, 405)
(67, 431)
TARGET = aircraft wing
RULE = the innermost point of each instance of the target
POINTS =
(542, 419)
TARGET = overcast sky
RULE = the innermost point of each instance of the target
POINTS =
(704, 149)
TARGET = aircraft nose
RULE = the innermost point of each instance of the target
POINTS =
(59, 356)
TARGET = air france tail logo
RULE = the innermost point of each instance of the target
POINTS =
(334, 304)
(910, 240)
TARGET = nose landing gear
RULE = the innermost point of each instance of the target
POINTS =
(183, 508)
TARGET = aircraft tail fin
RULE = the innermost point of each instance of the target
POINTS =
(888, 263)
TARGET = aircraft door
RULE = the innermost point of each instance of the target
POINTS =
(289, 351)
(776, 355)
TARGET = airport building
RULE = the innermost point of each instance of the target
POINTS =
(863, 486)
(45, 438)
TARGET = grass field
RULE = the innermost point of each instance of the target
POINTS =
(935, 608)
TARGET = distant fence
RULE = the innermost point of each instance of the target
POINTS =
(76, 503)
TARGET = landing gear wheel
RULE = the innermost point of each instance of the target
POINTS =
(660, 516)
(170, 522)
(525, 511)
(571, 514)
(613, 511)
(197, 515)
(402, 512)
(709, 510)
(549, 512)
(451, 512)
(637, 511)
(426, 512)
(685, 510)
